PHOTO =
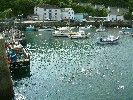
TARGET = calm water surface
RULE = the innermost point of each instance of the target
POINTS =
(76, 69)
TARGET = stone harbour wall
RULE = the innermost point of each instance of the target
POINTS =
(6, 85)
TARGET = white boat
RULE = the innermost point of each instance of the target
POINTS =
(46, 28)
(86, 27)
(101, 28)
(61, 32)
(79, 34)
(126, 31)
(109, 40)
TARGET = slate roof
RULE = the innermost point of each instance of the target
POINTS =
(65, 9)
(117, 11)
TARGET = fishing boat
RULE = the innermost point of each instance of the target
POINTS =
(62, 32)
(78, 34)
(17, 56)
(109, 40)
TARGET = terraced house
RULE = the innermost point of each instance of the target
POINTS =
(47, 12)
(52, 12)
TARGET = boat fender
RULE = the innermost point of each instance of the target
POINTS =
(9, 59)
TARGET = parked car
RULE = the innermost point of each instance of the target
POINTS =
(35, 18)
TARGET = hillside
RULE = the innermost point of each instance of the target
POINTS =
(25, 7)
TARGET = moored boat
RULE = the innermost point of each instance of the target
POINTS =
(62, 32)
(101, 28)
(126, 31)
(79, 34)
(30, 28)
(46, 28)
(109, 40)
(18, 57)
(87, 27)
(15, 35)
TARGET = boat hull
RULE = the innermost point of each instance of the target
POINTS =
(30, 29)
(46, 29)
(114, 41)
(109, 42)
(100, 30)
(19, 64)
(77, 37)
(60, 34)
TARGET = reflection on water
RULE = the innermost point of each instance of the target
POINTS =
(65, 69)
(18, 74)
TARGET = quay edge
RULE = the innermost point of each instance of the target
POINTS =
(36, 24)
(6, 84)
(23, 25)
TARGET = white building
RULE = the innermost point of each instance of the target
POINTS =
(116, 14)
(67, 13)
(47, 12)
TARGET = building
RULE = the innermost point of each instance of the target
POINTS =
(67, 13)
(47, 12)
(116, 14)
(81, 17)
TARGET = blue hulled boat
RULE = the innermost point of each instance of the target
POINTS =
(109, 40)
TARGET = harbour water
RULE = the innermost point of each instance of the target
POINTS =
(76, 69)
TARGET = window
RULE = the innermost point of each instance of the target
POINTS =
(55, 10)
(49, 10)
(55, 13)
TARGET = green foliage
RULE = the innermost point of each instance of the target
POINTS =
(100, 12)
(6, 14)
(26, 7)
(128, 16)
